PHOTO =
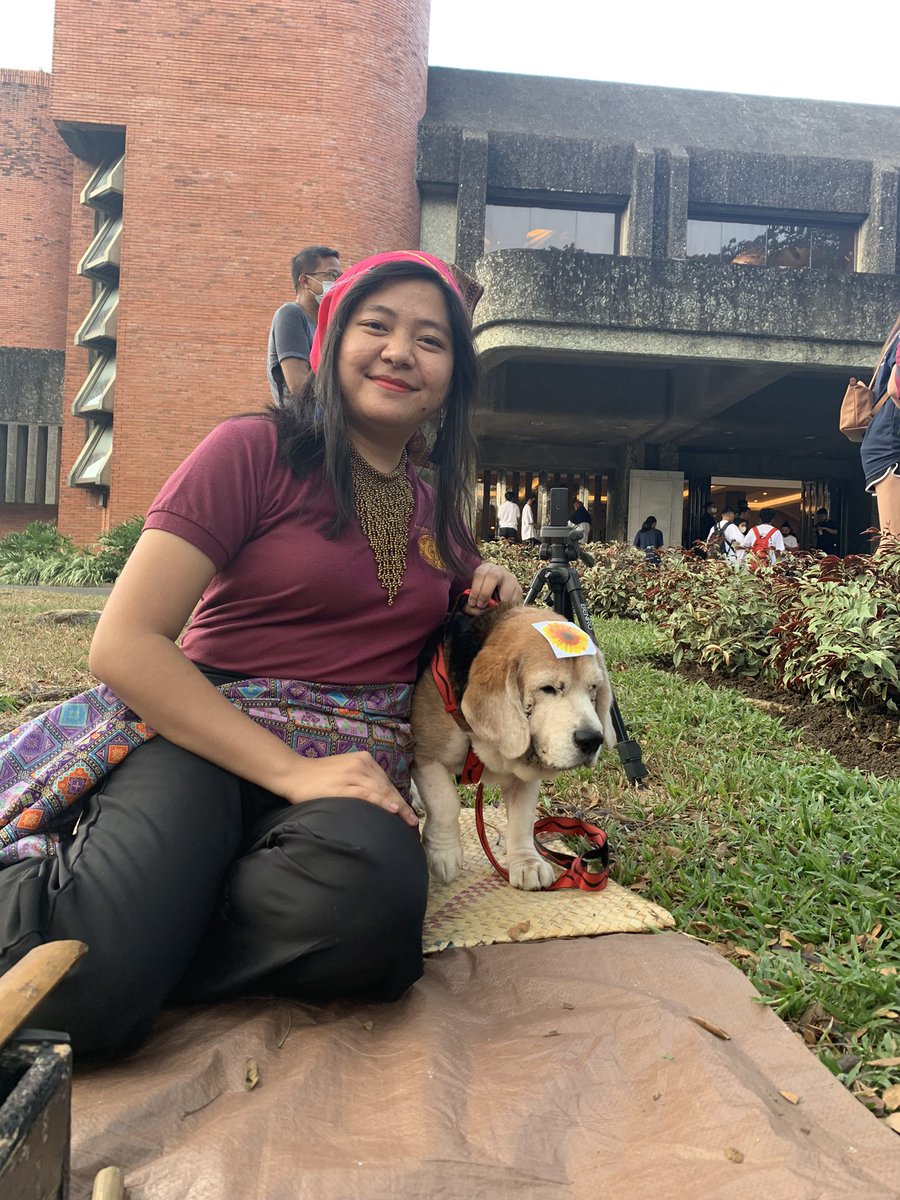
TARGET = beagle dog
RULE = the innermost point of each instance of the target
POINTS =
(534, 698)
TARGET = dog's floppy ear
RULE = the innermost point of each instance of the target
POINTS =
(603, 704)
(492, 704)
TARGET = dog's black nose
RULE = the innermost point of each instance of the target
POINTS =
(587, 740)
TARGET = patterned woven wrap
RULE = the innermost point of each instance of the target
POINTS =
(50, 764)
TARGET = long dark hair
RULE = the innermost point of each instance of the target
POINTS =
(312, 426)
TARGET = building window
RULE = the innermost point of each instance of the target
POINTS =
(509, 227)
(822, 247)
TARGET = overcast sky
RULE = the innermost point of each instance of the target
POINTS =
(768, 47)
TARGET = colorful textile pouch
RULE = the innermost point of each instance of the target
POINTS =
(49, 765)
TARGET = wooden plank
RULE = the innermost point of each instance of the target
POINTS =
(28, 981)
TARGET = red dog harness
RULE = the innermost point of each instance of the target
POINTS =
(589, 870)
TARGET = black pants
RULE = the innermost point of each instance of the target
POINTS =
(184, 880)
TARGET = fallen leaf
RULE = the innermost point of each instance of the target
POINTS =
(734, 1155)
(566, 1004)
(673, 851)
(887, 970)
(786, 939)
(251, 1074)
(743, 952)
(891, 1097)
(715, 1030)
(791, 1097)
(518, 930)
(883, 1062)
(893, 1122)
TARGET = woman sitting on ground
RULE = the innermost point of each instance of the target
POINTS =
(217, 858)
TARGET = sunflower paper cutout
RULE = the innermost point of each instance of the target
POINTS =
(566, 639)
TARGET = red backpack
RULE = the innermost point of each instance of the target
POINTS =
(759, 551)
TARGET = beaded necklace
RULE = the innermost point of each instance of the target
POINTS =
(384, 505)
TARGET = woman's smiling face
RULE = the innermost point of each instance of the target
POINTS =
(395, 360)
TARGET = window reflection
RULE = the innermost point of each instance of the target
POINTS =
(509, 227)
(823, 247)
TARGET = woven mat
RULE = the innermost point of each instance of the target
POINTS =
(478, 908)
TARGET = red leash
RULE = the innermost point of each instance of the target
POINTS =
(588, 871)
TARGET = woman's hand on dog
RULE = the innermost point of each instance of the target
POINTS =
(488, 579)
(357, 775)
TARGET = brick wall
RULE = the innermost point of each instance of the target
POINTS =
(14, 517)
(35, 190)
(250, 132)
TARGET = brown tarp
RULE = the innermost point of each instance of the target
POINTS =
(565, 1068)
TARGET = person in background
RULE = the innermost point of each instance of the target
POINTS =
(508, 518)
(743, 528)
(827, 532)
(314, 270)
(649, 539)
(763, 541)
(529, 521)
(880, 449)
(724, 537)
(581, 519)
(790, 538)
(706, 524)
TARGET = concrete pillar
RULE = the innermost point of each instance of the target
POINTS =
(471, 198)
(31, 459)
(51, 487)
(627, 458)
(12, 456)
(670, 204)
(877, 247)
(637, 231)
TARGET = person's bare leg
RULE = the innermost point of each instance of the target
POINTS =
(887, 493)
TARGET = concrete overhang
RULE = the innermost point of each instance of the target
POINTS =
(592, 305)
(586, 351)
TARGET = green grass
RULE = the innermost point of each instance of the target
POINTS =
(36, 655)
(772, 852)
(784, 860)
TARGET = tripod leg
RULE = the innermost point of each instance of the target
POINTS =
(627, 748)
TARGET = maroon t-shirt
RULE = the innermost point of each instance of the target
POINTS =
(286, 602)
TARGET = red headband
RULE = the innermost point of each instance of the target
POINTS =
(335, 295)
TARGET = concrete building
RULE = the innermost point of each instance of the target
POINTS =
(747, 264)
(677, 283)
(35, 203)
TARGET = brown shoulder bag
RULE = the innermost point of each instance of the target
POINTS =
(859, 405)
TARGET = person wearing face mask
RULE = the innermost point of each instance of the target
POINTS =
(314, 271)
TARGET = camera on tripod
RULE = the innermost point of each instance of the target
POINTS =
(559, 540)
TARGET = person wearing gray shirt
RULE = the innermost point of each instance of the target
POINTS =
(313, 271)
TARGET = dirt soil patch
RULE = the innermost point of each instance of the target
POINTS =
(867, 738)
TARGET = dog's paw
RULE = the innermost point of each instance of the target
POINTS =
(446, 863)
(531, 874)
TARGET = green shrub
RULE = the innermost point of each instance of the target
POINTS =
(34, 555)
(837, 636)
(827, 627)
(42, 555)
